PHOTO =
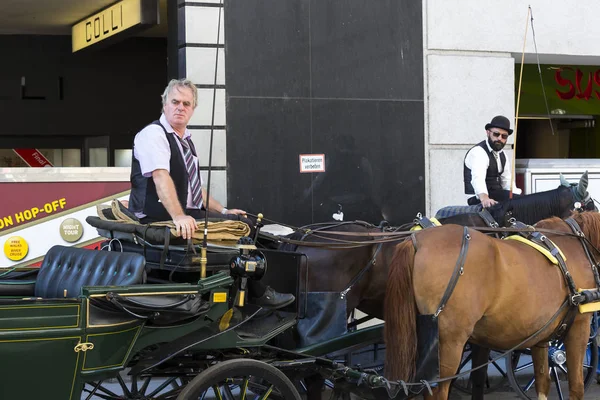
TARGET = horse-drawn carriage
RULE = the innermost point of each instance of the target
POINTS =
(143, 325)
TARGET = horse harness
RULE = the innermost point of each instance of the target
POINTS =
(576, 299)
(364, 269)
(423, 222)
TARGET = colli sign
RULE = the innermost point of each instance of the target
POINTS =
(115, 22)
(577, 84)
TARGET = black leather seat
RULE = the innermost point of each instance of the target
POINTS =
(70, 268)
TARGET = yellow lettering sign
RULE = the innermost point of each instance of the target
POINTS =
(16, 248)
(113, 20)
(33, 213)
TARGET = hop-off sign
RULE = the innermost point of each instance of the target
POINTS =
(312, 163)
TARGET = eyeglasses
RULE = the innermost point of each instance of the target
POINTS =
(496, 134)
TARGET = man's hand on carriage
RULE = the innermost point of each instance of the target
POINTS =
(486, 201)
(185, 225)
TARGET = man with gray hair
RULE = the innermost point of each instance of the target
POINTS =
(165, 177)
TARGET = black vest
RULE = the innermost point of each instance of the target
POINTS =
(492, 176)
(144, 198)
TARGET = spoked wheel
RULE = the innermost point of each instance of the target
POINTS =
(522, 380)
(135, 388)
(496, 375)
(240, 379)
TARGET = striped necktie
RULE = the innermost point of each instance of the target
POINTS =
(192, 170)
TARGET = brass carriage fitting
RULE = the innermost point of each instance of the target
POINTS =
(83, 347)
(257, 227)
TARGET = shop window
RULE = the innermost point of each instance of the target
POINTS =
(56, 157)
(123, 158)
(66, 157)
(565, 137)
(98, 157)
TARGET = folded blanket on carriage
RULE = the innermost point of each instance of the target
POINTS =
(451, 211)
(116, 218)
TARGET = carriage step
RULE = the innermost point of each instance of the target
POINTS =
(266, 326)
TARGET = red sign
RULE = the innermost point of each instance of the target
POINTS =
(33, 157)
(32, 201)
(575, 85)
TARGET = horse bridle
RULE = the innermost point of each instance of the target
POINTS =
(582, 204)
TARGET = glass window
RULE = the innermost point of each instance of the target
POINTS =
(123, 158)
(57, 157)
(99, 157)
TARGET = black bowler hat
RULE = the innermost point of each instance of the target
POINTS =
(501, 122)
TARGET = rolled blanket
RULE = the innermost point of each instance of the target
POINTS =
(224, 231)
(221, 232)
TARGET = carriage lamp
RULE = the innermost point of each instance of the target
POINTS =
(249, 263)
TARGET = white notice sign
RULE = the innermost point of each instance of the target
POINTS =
(312, 163)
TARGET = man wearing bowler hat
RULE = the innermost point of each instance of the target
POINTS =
(487, 172)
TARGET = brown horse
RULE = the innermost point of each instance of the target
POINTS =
(507, 292)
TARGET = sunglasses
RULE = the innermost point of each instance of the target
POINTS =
(496, 134)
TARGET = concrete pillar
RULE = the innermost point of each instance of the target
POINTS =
(195, 38)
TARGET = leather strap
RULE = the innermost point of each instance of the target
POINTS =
(593, 263)
(163, 255)
(542, 240)
(458, 271)
(361, 273)
(487, 218)
(425, 222)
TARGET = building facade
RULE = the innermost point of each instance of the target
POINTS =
(471, 52)
(391, 94)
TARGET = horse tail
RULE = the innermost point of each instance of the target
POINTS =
(400, 314)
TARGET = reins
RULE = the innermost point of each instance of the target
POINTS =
(395, 235)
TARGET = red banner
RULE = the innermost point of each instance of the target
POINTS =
(29, 201)
(33, 157)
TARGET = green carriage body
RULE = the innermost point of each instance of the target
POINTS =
(67, 342)
(73, 342)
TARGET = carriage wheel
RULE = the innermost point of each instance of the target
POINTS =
(125, 387)
(520, 371)
(496, 376)
(240, 379)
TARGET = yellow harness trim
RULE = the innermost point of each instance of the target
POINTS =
(589, 307)
(419, 227)
(539, 248)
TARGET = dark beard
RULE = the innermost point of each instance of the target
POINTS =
(496, 145)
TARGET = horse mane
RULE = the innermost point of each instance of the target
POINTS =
(532, 208)
(589, 222)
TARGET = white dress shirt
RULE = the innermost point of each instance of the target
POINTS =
(478, 162)
(152, 150)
